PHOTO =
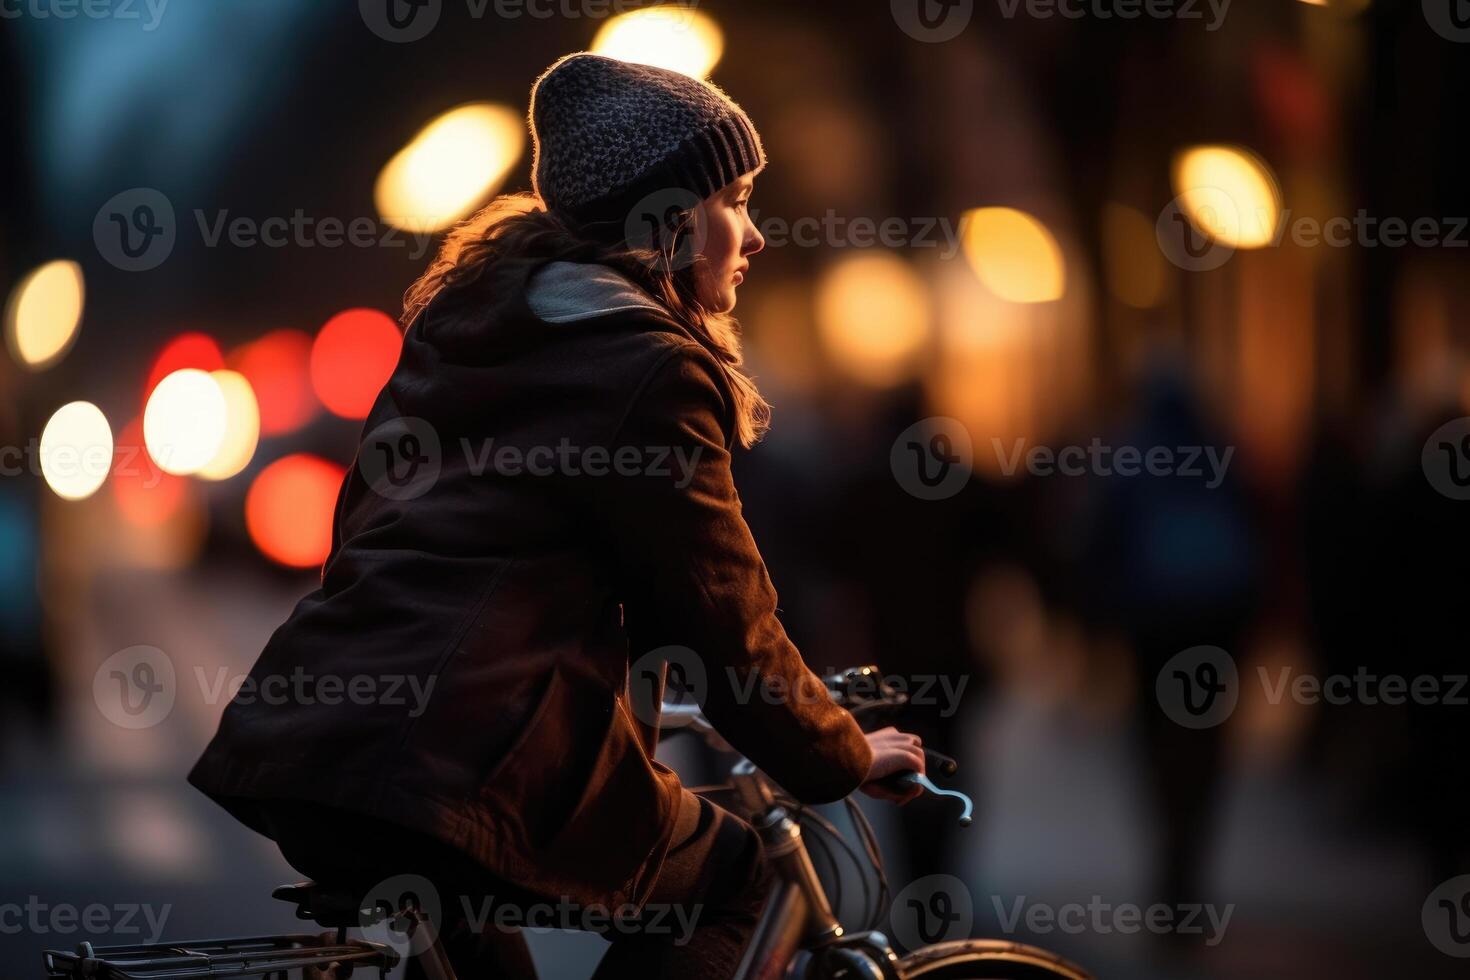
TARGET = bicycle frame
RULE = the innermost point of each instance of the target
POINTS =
(797, 918)
(785, 849)
(797, 915)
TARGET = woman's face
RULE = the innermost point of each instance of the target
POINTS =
(728, 238)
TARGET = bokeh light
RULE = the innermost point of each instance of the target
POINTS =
(242, 427)
(451, 166)
(278, 367)
(1229, 194)
(986, 374)
(184, 421)
(76, 450)
(672, 36)
(44, 313)
(145, 495)
(1014, 255)
(873, 316)
(165, 519)
(352, 358)
(187, 350)
(1345, 7)
(289, 507)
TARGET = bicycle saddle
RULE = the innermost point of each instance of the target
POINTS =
(335, 906)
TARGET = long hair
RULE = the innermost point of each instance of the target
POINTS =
(518, 226)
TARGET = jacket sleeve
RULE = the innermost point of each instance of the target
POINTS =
(692, 576)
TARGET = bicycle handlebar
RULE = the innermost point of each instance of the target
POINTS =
(857, 689)
(911, 778)
(940, 763)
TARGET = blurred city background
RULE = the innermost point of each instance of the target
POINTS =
(1190, 226)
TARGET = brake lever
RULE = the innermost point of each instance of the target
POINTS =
(912, 778)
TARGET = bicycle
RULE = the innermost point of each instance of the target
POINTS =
(798, 937)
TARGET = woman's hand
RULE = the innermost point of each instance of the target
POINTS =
(893, 752)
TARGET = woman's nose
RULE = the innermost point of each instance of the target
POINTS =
(753, 241)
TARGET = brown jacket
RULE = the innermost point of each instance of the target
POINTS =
(512, 598)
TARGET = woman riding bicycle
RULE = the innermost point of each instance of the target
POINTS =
(543, 494)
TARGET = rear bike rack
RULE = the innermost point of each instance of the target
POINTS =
(255, 956)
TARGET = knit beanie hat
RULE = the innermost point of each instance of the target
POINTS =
(608, 133)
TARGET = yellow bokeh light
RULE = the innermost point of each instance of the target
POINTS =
(1346, 7)
(76, 450)
(44, 312)
(873, 316)
(450, 167)
(672, 36)
(1229, 194)
(242, 427)
(184, 421)
(1014, 255)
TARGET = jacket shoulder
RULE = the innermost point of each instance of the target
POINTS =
(682, 380)
(566, 292)
(605, 304)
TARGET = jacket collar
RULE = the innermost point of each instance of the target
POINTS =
(564, 292)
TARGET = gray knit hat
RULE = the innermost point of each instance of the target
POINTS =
(607, 133)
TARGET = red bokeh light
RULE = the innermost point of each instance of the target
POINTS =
(187, 350)
(278, 367)
(289, 509)
(351, 359)
(146, 496)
